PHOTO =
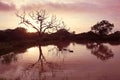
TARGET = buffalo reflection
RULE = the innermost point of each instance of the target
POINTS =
(100, 50)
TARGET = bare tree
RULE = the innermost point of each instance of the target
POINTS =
(43, 23)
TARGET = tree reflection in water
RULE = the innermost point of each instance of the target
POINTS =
(43, 69)
(100, 50)
(8, 58)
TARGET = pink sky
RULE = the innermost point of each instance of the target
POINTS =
(79, 15)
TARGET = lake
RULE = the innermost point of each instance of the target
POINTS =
(91, 61)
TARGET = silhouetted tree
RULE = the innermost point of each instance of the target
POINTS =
(43, 24)
(102, 28)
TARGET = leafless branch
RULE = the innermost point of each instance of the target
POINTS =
(25, 21)
(41, 20)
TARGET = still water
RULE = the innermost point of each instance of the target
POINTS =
(92, 61)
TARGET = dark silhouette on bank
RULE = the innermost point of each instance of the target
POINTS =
(99, 32)
(15, 39)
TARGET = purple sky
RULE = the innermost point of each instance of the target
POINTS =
(79, 15)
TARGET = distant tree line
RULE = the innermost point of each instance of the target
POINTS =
(13, 34)
(99, 32)
(21, 34)
(102, 31)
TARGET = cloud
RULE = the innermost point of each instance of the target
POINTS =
(73, 7)
(7, 7)
(77, 6)
(95, 7)
(80, 7)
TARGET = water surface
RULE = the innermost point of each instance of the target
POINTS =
(91, 61)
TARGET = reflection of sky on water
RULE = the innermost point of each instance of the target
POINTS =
(79, 64)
